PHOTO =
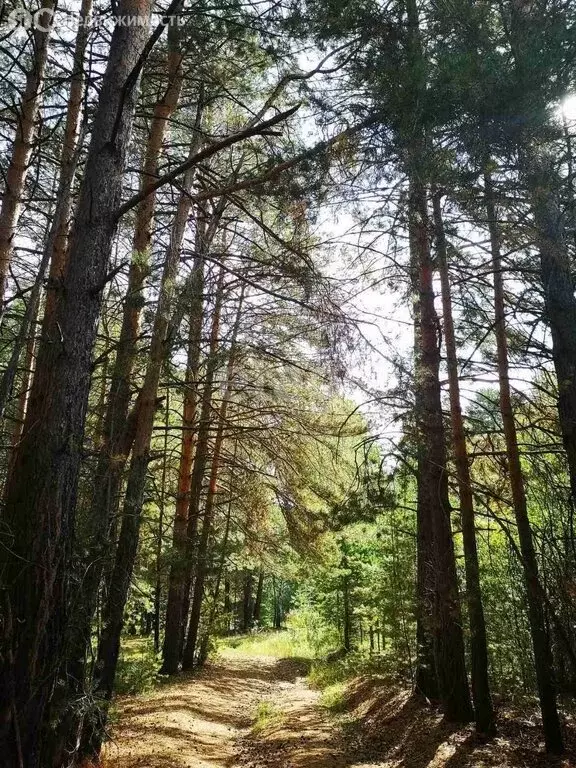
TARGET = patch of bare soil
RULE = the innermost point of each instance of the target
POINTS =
(193, 722)
(205, 721)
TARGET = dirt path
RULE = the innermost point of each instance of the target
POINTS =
(204, 721)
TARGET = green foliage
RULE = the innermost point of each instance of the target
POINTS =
(137, 667)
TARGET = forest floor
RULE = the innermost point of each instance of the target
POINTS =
(259, 712)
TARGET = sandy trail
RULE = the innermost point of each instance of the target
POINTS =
(205, 721)
(199, 722)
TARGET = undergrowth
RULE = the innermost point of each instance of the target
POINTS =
(284, 644)
(325, 674)
(333, 697)
(137, 667)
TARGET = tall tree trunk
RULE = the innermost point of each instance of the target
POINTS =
(536, 614)
(111, 463)
(58, 250)
(202, 553)
(21, 151)
(113, 454)
(200, 459)
(484, 712)
(247, 601)
(426, 680)
(258, 601)
(173, 626)
(41, 493)
(162, 510)
(433, 503)
(113, 613)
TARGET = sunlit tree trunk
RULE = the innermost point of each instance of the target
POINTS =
(113, 455)
(258, 601)
(68, 161)
(247, 584)
(127, 547)
(484, 712)
(426, 681)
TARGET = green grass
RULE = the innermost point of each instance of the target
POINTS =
(325, 674)
(283, 644)
(333, 697)
(267, 714)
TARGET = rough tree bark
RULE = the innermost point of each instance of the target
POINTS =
(426, 680)
(41, 493)
(173, 626)
(58, 249)
(113, 453)
(536, 613)
(433, 502)
(113, 612)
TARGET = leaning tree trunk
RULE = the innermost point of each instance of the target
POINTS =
(38, 518)
(113, 612)
(433, 503)
(536, 613)
(484, 712)
(115, 447)
(19, 162)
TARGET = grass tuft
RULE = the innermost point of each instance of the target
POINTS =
(333, 697)
(267, 714)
